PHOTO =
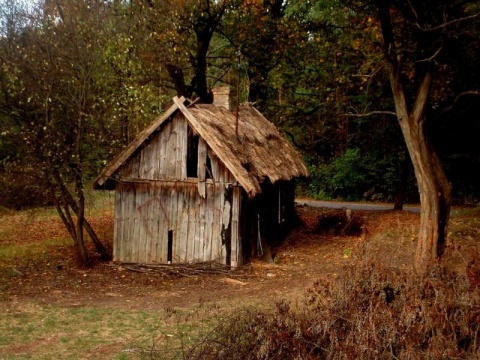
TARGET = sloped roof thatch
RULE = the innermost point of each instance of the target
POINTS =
(259, 152)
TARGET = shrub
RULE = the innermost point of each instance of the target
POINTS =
(370, 312)
(18, 191)
(358, 176)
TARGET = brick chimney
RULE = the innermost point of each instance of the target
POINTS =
(221, 96)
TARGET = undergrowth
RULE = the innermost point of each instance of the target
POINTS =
(369, 312)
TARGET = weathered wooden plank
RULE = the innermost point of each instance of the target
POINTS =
(141, 163)
(202, 224)
(157, 243)
(183, 225)
(156, 219)
(135, 165)
(202, 167)
(210, 198)
(157, 151)
(133, 238)
(192, 224)
(171, 154)
(172, 220)
(126, 170)
(117, 228)
(195, 223)
(124, 230)
(143, 220)
(219, 171)
(178, 156)
(218, 222)
(227, 225)
(163, 225)
(148, 224)
(163, 159)
(131, 167)
(236, 258)
(140, 237)
(154, 153)
(215, 163)
(129, 222)
(168, 202)
(149, 161)
(183, 139)
(138, 240)
(179, 245)
(227, 175)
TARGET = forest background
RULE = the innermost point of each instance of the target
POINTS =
(80, 78)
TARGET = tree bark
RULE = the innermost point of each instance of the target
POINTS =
(433, 185)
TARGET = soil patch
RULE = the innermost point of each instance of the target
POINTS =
(313, 249)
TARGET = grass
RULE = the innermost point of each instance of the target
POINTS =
(31, 331)
(30, 250)
(36, 332)
(34, 232)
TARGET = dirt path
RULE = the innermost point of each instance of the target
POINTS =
(308, 253)
(53, 277)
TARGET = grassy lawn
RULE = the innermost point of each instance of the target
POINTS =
(31, 331)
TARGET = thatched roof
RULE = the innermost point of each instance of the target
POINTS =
(259, 152)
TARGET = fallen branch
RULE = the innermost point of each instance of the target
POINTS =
(185, 270)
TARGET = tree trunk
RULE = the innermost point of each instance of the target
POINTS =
(64, 201)
(63, 210)
(68, 199)
(433, 186)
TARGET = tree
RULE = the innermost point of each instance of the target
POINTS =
(49, 62)
(414, 37)
(259, 31)
(179, 36)
(329, 71)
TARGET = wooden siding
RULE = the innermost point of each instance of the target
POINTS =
(155, 196)
(164, 156)
(204, 229)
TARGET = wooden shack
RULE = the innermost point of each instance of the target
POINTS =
(202, 183)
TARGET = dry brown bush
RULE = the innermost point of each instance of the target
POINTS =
(369, 312)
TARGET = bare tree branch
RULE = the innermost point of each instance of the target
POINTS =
(431, 57)
(463, 94)
(390, 113)
(444, 25)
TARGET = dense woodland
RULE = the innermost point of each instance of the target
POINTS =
(361, 88)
